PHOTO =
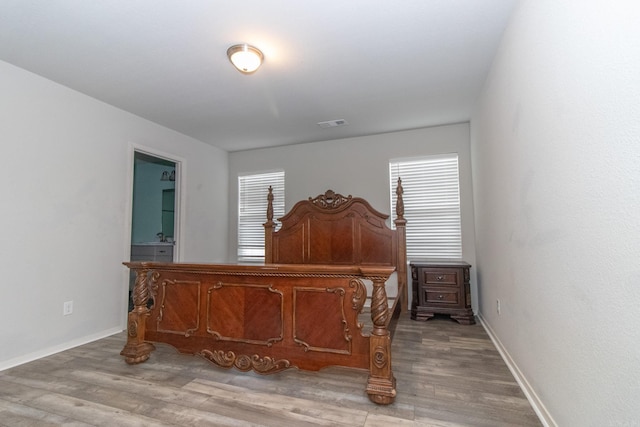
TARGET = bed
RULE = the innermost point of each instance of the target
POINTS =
(328, 263)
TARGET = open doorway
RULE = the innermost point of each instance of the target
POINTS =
(154, 202)
(154, 225)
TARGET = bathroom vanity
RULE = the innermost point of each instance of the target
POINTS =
(152, 251)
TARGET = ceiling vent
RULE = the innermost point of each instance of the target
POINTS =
(333, 123)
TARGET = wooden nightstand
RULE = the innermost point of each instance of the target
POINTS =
(441, 287)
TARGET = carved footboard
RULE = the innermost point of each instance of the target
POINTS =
(265, 318)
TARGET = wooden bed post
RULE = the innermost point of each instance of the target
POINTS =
(269, 227)
(137, 350)
(381, 385)
(401, 229)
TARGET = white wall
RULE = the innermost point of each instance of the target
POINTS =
(356, 166)
(66, 211)
(556, 162)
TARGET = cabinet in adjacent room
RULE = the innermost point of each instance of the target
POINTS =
(158, 252)
(441, 287)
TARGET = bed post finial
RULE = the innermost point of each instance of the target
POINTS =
(270, 205)
(401, 229)
(269, 227)
(399, 202)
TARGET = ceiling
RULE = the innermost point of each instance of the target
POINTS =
(380, 65)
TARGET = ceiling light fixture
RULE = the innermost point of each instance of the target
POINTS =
(245, 58)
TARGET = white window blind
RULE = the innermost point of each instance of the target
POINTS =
(252, 212)
(432, 205)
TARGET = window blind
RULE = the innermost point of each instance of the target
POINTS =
(252, 212)
(432, 205)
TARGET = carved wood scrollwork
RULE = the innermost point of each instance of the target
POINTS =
(140, 294)
(358, 299)
(330, 200)
(381, 385)
(359, 294)
(379, 307)
(136, 349)
(243, 362)
(380, 357)
(153, 287)
(132, 329)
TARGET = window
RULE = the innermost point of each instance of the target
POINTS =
(252, 212)
(432, 205)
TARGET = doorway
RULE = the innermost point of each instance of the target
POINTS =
(154, 201)
(155, 210)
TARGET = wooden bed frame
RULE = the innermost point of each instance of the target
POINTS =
(300, 309)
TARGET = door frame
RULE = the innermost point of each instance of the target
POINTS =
(180, 185)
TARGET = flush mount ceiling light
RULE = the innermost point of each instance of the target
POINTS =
(245, 58)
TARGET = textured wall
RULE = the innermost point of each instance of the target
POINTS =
(68, 164)
(556, 162)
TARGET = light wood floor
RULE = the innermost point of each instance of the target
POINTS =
(447, 375)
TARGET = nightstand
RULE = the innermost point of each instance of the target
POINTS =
(441, 287)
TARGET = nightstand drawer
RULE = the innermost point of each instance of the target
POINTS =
(446, 296)
(434, 276)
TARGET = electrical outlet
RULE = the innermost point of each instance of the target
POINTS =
(67, 308)
(498, 306)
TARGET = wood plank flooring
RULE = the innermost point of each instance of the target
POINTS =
(448, 375)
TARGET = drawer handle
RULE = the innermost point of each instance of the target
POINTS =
(439, 278)
(440, 297)
(161, 252)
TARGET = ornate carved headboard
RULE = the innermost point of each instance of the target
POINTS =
(337, 230)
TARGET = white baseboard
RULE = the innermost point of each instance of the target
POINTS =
(532, 397)
(57, 349)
